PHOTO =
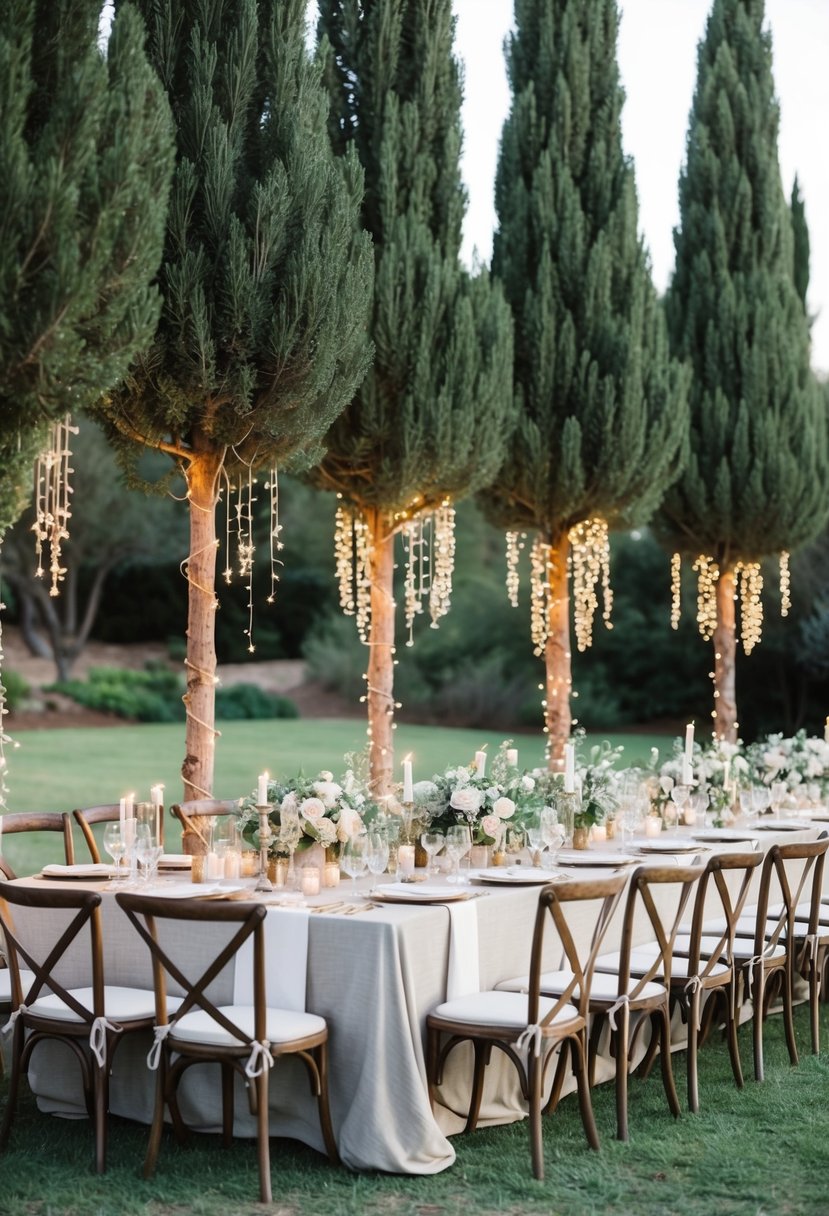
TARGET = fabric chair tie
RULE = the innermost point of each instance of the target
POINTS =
(621, 1002)
(159, 1035)
(9, 1027)
(749, 972)
(259, 1060)
(98, 1038)
(692, 988)
(812, 946)
(530, 1040)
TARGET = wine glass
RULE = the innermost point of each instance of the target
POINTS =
(146, 852)
(627, 817)
(762, 798)
(377, 853)
(354, 858)
(749, 808)
(458, 844)
(535, 837)
(290, 831)
(778, 797)
(552, 832)
(680, 795)
(432, 843)
(115, 845)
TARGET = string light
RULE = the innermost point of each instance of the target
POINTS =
(785, 584)
(443, 566)
(750, 582)
(676, 590)
(590, 565)
(515, 544)
(344, 557)
(413, 546)
(275, 544)
(708, 573)
(52, 493)
(540, 566)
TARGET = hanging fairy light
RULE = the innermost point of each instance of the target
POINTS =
(344, 557)
(750, 583)
(676, 590)
(590, 566)
(443, 561)
(540, 565)
(275, 545)
(515, 545)
(414, 542)
(52, 493)
(708, 573)
(362, 576)
(785, 584)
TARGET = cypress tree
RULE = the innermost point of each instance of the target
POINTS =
(265, 284)
(754, 484)
(603, 416)
(801, 248)
(85, 164)
(430, 421)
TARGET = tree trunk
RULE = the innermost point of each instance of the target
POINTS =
(725, 649)
(380, 690)
(200, 698)
(557, 654)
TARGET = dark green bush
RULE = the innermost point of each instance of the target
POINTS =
(16, 689)
(153, 695)
(250, 701)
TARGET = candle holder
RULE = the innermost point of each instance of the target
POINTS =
(264, 884)
(408, 817)
(567, 807)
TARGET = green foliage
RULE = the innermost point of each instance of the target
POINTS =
(432, 417)
(800, 244)
(248, 701)
(265, 281)
(602, 406)
(15, 689)
(755, 479)
(85, 164)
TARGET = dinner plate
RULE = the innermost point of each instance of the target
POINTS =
(405, 893)
(175, 861)
(782, 825)
(593, 857)
(733, 835)
(672, 845)
(193, 890)
(515, 876)
(89, 870)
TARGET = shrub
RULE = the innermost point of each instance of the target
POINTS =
(250, 701)
(153, 695)
(16, 690)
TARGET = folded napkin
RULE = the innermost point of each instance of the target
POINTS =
(464, 975)
(88, 869)
(286, 961)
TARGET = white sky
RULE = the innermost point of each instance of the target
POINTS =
(657, 55)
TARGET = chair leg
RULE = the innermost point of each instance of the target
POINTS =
(324, 1109)
(758, 994)
(534, 1073)
(621, 1037)
(558, 1080)
(262, 1134)
(432, 1056)
(693, 1047)
(100, 1089)
(482, 1050)
(665, 1060)
(154, 1142)
(788, 1015)
(814, 999)
(14, 1084)
(227, 1105)
(732, 1026)
(578, 1052)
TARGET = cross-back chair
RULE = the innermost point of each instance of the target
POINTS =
(87, 817)
(38, 821)
(528, 1026)
(89, 1019)
(245, 1040)
(194, 817)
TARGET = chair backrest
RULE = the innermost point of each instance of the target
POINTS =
(38, 821)
(714, 887)
(643, 882)
(44, 958)
(109, 812)
(798, 869)
(190, 814)
(145, 912)
(559, 905)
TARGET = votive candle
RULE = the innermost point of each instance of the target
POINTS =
(408, 788)
(262, 790)
(215, 866)
(599, 832)
(331, 874)
(480, 763)
(653, 825)
(406, 860)
(310, 880)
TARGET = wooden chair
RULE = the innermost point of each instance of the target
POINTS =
(242, 1039)
(632, 989)
(87, 817)
(38, 821)
(193, 817)
(90, 1020)
(527, 1026)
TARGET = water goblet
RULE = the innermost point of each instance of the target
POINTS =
(762, 798)
(749, 808)
(432, 843)
(552, 833)
(116, 846)
(627, 817)
(354, 858)
(458, 844)
(535, 838)
(778, 798)
(377, 854)
(680, 795)
(698, 802)
(145, 852)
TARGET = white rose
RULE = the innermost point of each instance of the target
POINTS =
(289, 802)
(467, 799)
(527, 784)
(312, 809)
(328, 791)
(503, 808)
(327, 831)
(348, 824)
(491, 826)
(325, 775)
(493, 793)
(666, 784)
(424, 791)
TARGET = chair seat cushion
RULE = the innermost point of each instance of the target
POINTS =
(26, 978)
(642, 959)
(803, 912)
(603, 987)
(283, 1026)
(503, 1009)
(120, 1004)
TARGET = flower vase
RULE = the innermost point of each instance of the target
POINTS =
(610, 824)
(581, 838)
(479, 857)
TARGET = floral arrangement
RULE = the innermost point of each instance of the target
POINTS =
(487, 804)
(329, 812)
(596, 781)
(800, 761)
(718, 767)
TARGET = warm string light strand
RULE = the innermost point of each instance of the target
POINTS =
(590, 565)
(676, 590)
(206, 677)
(785, 584)
(52, 494)
(749, 580)
(708, 573)
(443, 562)
(516, 542)
(239, 515)
(540, 567)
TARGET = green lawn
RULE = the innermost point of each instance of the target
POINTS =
(762, 1151)
(57, 770)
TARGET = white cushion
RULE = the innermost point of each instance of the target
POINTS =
(603, 987)
(26, 978)
(120, 1004)
(803, 912)
(744, 949)
(642, 958)
(282, 1026)
(507, 1009)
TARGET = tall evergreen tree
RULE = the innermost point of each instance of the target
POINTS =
(754, 484)
(801, 244)
(85, 162)
(430, 421)
(603, 416)
(262, 337)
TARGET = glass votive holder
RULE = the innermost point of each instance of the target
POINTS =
(197, 867)
(309, 882)
(653, 825)
(250, 863)
(278, 871)
(599, 833)
(405, 860)
(233, 864)
(331, 874)
(214, 868)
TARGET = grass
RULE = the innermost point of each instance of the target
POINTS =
(762, 1151)
(57, 770)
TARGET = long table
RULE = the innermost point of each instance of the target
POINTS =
(374, 977)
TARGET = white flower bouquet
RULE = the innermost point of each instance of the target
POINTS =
(329, 812)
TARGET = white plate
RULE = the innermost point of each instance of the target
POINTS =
(191, 890)
(422, 893)
(515, 876)
(782, 825)
(593, 857)
(175, 861)
(649, 844)
(725, 834)
(89, 870)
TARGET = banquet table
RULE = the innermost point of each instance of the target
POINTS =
(374, 977)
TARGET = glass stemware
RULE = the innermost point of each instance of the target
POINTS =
(377, 853)
(458, 844)
(354, 858)
(778, 797)
(679, 796)
(749, 808)
(290, 831)
(432, 843)
(535, 837)
(147, 852)
(552, 833)
(116, 846)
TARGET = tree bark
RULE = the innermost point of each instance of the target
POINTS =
(725, 650)
(557, 654)
(380, 690)
(200, 698)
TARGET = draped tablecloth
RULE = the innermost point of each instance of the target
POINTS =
(374, 978)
